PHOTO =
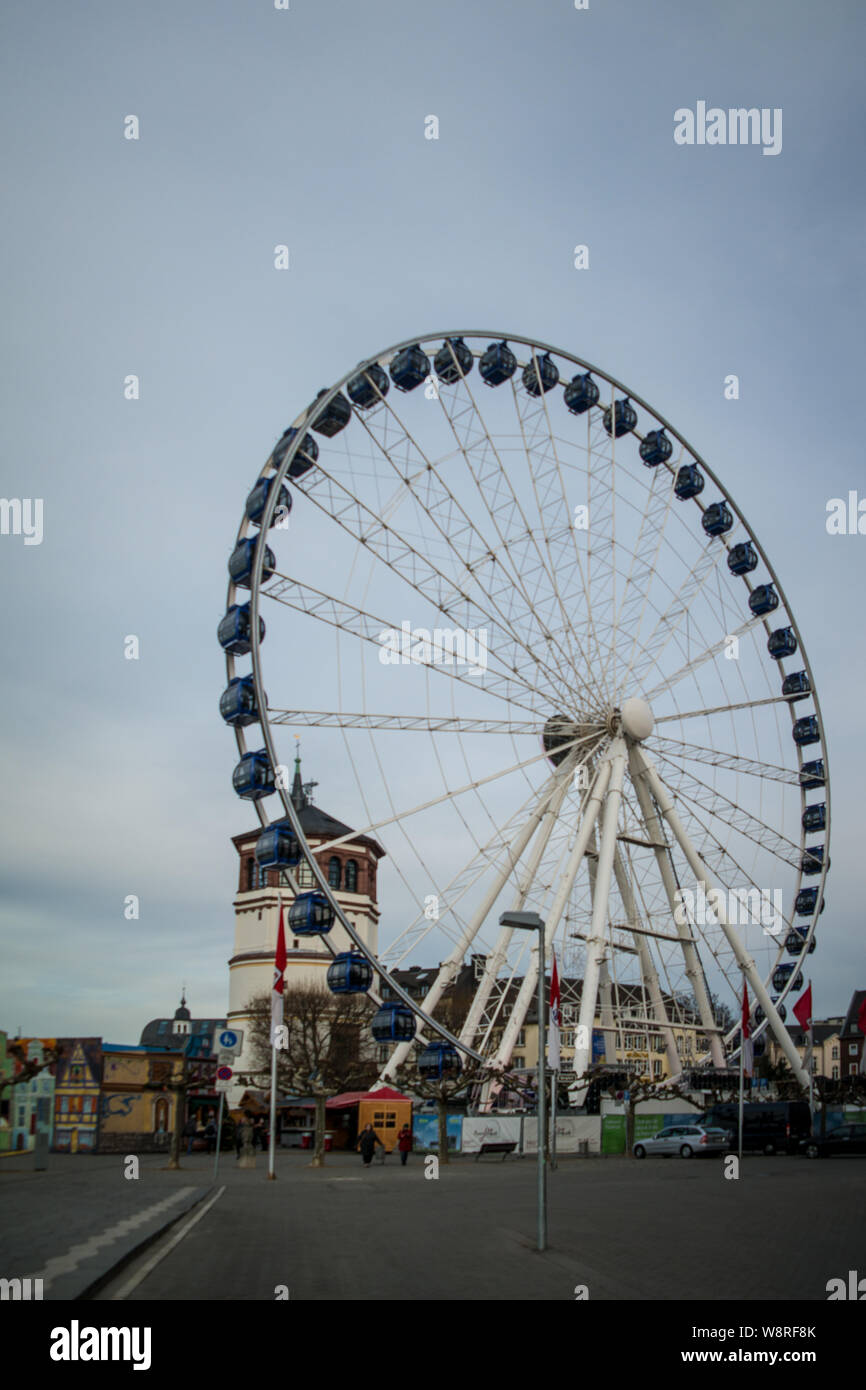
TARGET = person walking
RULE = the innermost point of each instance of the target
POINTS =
(367, 1144)
(404, 1144)
(210, 1134)
(189, 1131)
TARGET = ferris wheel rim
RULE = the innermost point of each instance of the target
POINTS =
(319, 404)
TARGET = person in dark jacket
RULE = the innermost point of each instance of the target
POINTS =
(404, 1144)
(367, 1144)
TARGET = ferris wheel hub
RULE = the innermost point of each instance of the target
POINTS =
(636, 719)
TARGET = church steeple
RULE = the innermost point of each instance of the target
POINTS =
(299, 798)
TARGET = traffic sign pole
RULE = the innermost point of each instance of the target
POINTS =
(219, 1137)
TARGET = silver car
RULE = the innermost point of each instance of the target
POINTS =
(689, 1141)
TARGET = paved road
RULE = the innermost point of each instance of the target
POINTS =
(70, 1224)
(660, 1230)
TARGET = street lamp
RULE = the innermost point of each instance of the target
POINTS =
(530, 921)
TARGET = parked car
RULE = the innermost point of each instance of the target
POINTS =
(768, 1126)
(686, 1140)
(847, 1139)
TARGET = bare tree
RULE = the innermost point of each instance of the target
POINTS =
(328, 1048)
(441, 1090)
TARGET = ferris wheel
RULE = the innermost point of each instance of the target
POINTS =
(564, 678)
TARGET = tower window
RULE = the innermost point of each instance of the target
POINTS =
(351, 876)
(263, 878)
(334, 872)
(251, 873)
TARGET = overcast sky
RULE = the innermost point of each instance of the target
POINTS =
(155, 257)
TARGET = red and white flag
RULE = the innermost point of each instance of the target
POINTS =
(746, 1036)
(280, 961)
(553, 1037)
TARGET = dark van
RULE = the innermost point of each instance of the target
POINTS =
(768, 1127)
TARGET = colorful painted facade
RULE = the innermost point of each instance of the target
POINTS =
(31, 1103)
(137, 1108)
(77, 1085)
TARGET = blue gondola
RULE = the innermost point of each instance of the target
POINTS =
(393, 1023)
(796, 940)
(717, 519)
(624, 417)
(409, 368)
(806, 901)
(233, 633)
(797, 685)
(444, 365)
(438, 1060)
(497, 364)
(580, 394)
(742, 558)
(763, 600)
(278, 847)
(655, 448)
(812, 861)
(369, 386)
(238, 702)
(304, 458)
(257, 500)
(690, 481)
(350, 973)
(812, 774)
(241, 562)
(781, 976)
(781, 643)
(310, 915)
(540, 375)
(806, 730)
(252, 778)
(333, 417)
(815, 817)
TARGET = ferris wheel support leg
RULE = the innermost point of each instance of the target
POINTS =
(694, 969)
(496, 960)
(703, 878)
(608, 1018)
(648, 972)
(450, 967)
(596, 946)
(575, 858)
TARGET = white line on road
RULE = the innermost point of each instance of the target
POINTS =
(150, 1265)
(64, 1264)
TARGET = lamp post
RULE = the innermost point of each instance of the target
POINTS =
(530, 921)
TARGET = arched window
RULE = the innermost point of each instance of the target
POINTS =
(263, 878)
(334, 874)
(251, 873)
(351, 876)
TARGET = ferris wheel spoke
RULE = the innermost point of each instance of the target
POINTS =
(425, 723)
(708, 654)
(716, 757)
(682, 604)
(450, 794)
(556, 510)
(721, 709)
(473, 552)
(394, 550)
(358, 623)
(701, 794)
(518, 539)
(644, 559)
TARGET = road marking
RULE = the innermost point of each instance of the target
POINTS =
(150, 1265)
(65, 1264)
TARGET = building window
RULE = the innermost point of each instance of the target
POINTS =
(657, 1066)
(852, 1049)
(163, 1025)
(250, 865)
(262, 877)
(835, 1052)
(351, 876)
(834, 1075)
(334, 872)
(519, 1062)
(304, 875)
(567, 1037)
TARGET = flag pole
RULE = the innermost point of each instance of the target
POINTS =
(276, 1018)
(744, 1035)
(811, 1064)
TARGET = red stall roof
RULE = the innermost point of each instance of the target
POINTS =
(351, 1098)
